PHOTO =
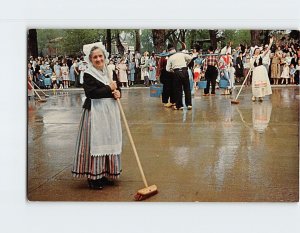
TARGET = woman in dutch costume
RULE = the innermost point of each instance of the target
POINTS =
(99, 140)
(260, 79)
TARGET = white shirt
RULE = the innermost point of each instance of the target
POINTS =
(178, 60)
(266, 58)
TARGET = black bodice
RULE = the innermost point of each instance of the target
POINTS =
(259, 62)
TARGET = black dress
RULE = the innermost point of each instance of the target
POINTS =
(239, 69)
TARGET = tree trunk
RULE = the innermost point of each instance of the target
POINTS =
(120, 47)
(295, 34)
(192, 40)
(159, 40)
(255, 37)
(183, 35)
(266, 37)
(108, 41)
(32, 47)
(213, 38)
(137, 40)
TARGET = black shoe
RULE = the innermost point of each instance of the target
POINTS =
(95, 184)
(106, 181)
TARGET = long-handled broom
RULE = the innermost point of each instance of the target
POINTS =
(40, 99)
(235, 101)
(41, 90)
(148, 190)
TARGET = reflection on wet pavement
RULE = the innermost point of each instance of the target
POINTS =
(214, 152)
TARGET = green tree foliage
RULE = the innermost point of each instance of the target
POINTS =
(147, 40)
(44, 36)
(74, 39)
(236, 37)
(196, 38)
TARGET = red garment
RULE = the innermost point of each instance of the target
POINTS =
(196, 76)
(29, 85)
(157, 70)
(226, 59)
(162, 63)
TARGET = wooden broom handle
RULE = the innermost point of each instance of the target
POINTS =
(243, 84)
(132, 143)
(34, 90)
(39, 88)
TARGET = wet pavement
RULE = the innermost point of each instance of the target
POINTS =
(214, 152)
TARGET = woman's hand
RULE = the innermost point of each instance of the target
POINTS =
(113, 86)
(117, 94)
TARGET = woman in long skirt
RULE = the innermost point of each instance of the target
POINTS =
(65, 75)
(260, 80)
(275, 69)
(239, 68)
(99, 142)
(152, 69)
(72, 73)
(122, 71)
(131, 69)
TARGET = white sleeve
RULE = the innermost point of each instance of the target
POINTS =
(168, 67)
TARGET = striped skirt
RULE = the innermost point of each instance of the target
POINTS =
(92, 167)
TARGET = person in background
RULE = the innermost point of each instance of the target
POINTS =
(41, 79)
(54, 80)
(292, 73)
(76, 72)
(197, 72)
(47, 74)
(30, 87)
(145, 68)
(224, 64)
(211, 72)
(122, 72)
(137, 74)
(111, 68)
(231, 71)
(131, 69)
(285, 75)
(36, 72)
(295, 59)
(247, 70)
(65, 75)
(152, 69)
(166, 78)
(72, 73)
(177, 63)
(266, 58)
(239, 67)
(275, 68)
(43, 66)
(297, 73)
(83, 66)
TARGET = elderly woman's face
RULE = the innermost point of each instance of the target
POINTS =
(97, 59)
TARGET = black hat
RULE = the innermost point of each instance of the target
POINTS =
(211, 48)
(170, 47)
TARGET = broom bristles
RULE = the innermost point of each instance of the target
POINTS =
(140, 197)
(235, 101)
(42, 101)
(144, 193)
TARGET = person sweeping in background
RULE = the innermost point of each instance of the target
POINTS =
(99, 140)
